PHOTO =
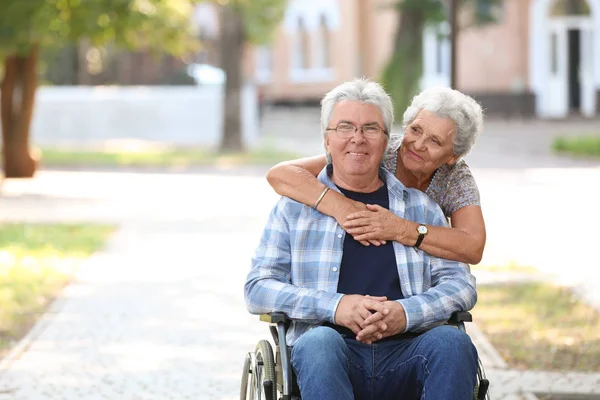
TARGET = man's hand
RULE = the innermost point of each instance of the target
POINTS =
(375, 223)
(351, 207)
(354, 309)
(377, 327)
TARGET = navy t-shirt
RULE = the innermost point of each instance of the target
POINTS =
(368, 269)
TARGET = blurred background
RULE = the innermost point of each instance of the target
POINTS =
(136, 135)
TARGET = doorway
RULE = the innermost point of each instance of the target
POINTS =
(563, 56)
(573, 70)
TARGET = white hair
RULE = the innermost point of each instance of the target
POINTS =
(445, 102)
(361, 90)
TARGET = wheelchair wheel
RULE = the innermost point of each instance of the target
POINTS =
(264, 385)
(245, 387)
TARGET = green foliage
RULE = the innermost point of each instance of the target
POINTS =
(69, 240)
(401, 78)
(402, 73)
(152, 24)
(578, 146)
(260, 17)
(434, 11)
(484, 11)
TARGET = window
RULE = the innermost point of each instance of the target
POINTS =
(439, 68)
(309, 24)
(553, 54)
(305, 44)
(301, 46)
(322, 45)
(436, 56)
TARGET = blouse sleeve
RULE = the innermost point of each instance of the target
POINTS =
(461, 189)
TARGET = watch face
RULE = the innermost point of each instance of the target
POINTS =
(422, 229)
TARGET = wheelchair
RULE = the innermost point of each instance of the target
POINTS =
(269, 376)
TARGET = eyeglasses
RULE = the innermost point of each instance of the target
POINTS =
(346, 131)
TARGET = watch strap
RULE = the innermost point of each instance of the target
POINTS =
(420, 240)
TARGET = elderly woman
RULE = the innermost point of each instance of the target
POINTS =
(441, 126)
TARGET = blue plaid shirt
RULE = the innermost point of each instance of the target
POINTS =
(296, 267)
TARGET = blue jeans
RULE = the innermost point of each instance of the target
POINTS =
(440, 364)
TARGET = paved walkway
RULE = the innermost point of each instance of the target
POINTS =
(159, 313)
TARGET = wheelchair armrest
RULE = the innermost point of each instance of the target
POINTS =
(274, 317)
(278, 323)
(460, 316)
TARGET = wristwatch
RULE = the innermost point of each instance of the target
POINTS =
(422, 230)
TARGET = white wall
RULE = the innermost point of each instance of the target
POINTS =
(178, 115)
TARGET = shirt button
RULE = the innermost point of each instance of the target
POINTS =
(334, 269)
(339, 235)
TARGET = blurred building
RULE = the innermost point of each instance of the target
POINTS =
(322, 43)
(538, 58)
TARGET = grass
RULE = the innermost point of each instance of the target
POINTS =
(539, 326)
(36, 262)
(579, 146)
(160, 157)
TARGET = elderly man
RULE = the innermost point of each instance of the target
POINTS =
(367, 320)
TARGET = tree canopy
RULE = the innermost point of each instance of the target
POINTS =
(259, 17)
(152, 24)
(27, 26)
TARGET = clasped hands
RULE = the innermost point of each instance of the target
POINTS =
(371, 318)
(370, 224)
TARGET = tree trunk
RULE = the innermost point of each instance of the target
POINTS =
(232, 47)
(16, 111)
(83, 76)
(403, 72)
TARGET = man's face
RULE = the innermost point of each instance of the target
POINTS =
(357, 154)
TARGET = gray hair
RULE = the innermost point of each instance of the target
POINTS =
(445, 102)
(361, 90)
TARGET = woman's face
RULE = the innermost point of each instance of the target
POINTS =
(428, 143)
